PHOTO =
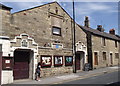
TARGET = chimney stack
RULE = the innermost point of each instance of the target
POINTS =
(99, 27)
(86, 22)
(112, 31)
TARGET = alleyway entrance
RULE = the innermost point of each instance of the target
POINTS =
(21, 63)
(79, 60)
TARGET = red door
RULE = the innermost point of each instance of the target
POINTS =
(21, 70)
(21, 64)
(77, 61)
(0, 66)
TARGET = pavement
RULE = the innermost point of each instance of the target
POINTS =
(68, 77)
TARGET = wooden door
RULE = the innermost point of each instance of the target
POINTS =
(111, 59)
(21, 65)
(21, 70)
(77, 61)
(95, 58)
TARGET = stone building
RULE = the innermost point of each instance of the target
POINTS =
(103, 48)
(45, 34)
(40, 34)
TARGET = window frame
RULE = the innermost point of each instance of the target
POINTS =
(116, 44)
(117, 56)
(54, 27)
(104, 58)
(103, 41)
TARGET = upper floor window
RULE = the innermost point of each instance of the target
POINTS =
(56, 31)
(104, 56)
(56, 10)
(115, 43)
(103, 42)
(117, 55)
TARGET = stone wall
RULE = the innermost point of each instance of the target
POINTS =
(97, 46)
(5, 21)
(38, 22)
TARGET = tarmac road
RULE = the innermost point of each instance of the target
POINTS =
(106, 79)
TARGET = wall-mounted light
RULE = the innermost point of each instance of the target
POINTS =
(9, 55)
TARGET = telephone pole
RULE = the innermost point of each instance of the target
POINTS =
(74, 47)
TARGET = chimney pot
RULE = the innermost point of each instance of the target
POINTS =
(112, 31)
(99, 27)
(86, 22)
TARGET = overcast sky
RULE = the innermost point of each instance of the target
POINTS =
(100, 13)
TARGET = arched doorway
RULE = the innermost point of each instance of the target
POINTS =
(23, 64)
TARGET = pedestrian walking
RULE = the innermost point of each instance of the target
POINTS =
(37, 73)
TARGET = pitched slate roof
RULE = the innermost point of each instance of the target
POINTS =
(98, 33)
(3, 6)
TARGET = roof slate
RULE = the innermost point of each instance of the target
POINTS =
(3, 6)
(101, 34)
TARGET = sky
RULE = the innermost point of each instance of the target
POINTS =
(102, 12)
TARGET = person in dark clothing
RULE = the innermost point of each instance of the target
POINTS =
(38, 72)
